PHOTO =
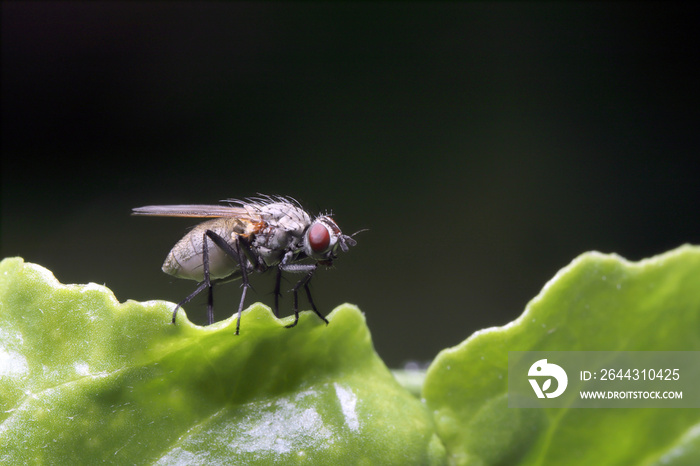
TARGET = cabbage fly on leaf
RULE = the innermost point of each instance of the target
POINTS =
(246, 236)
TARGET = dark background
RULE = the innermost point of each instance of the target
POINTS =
(483, 145)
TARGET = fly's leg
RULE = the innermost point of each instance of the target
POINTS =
(205, 284)
(311, 301)
(239, 255)
(310, 269)
(199, 289)
(207, 281)
(278, 281)
(284, 265)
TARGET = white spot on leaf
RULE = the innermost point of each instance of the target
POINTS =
(348, 402)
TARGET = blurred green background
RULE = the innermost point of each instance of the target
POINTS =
(483, 145)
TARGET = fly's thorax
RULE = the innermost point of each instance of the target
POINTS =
(284, 230)
(272, 242)
(287, 217)
(186, 259)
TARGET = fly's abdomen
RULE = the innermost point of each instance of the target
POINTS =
(186, 259)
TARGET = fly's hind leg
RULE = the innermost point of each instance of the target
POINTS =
(239, 255)
(207, 283)
(199, 289)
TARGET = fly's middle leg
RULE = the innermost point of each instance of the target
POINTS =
(278, 281)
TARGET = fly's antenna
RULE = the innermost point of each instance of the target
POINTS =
(347, 241)
(359, 231)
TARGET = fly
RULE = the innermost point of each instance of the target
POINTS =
(252, 235)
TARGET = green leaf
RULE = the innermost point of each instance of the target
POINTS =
(85, 379)
(598, 303)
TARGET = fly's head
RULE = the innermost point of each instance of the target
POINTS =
(323, 239)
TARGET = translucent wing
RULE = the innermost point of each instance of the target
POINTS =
(196, 210)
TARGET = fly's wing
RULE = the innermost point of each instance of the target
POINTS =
(196, 210)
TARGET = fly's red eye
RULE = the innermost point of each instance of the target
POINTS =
(319, 238)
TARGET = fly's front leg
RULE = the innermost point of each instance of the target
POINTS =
(239, 255)
(309, 269)
(311, 301)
